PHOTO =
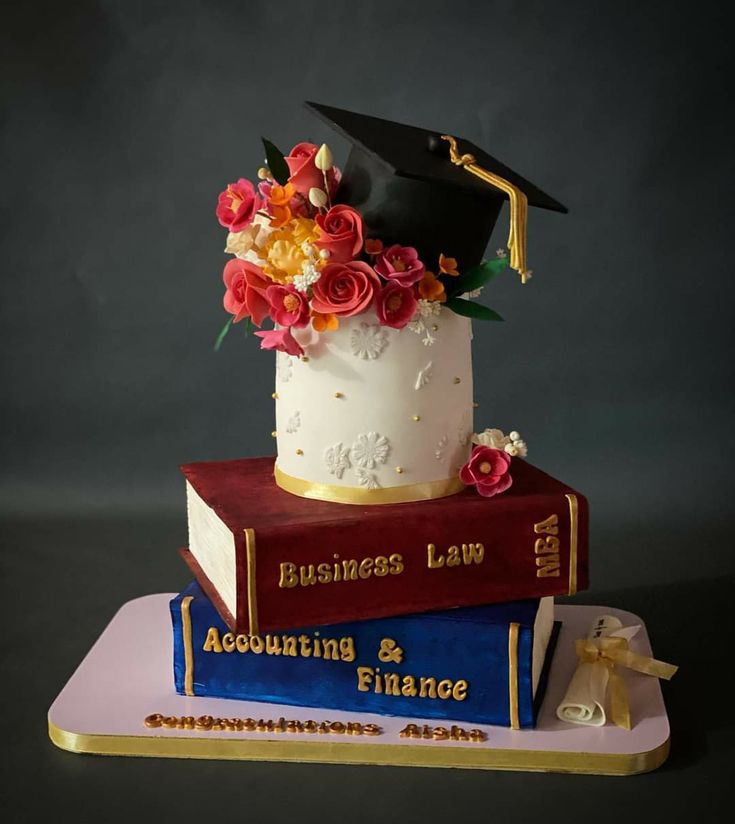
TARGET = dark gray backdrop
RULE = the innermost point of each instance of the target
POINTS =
(122, 122)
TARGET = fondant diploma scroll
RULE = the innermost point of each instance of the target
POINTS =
(600, 657)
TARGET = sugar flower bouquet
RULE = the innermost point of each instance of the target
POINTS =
(302, 258)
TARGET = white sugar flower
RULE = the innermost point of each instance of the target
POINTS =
(240, 243)
(513, 444)
(368, 340)
(337, 459)
(309, 276)
(501, 253)
(428, 308)
(370, 449)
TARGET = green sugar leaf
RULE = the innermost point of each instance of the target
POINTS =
(469, 309)
(478, 276)
(276, 162)
(249, 327)
(222, 335)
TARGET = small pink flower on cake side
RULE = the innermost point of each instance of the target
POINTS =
(488, 470)
(237, 205)
(341, 231)
(395, 305)
(345, 289)
(288, 307)
(401, 264)
(280, 340)
(245, 295)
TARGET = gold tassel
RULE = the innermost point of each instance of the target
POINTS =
(518, 206)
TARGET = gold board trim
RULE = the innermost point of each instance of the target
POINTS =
(335, 752)
(573, 539)
(357, 495)
(252, 583)
(515, 723)
(188, 648)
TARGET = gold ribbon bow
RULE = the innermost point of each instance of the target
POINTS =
(609, 651)
(518, 206)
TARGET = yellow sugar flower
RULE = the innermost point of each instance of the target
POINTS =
(283, 250)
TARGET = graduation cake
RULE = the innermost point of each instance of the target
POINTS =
(393, 558)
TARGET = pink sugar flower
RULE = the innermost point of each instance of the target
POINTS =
(345, 289)
(237, 205)
(488, 469)
(281, 340)
(245, 291)
(395, 305)
(288, 307)
(401, 264)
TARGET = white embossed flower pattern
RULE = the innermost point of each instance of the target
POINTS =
(370, 449)
(368, 340)
(337, 459)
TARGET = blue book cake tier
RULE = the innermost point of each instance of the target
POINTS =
(480, 664)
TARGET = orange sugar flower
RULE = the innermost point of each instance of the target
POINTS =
(448, 266)
(431, 288)
(281, 195)
(280, 216)
(324, 323)
(373, 246)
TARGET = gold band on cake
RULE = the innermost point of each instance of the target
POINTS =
(426, 491)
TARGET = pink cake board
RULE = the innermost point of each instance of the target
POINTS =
(127, 676)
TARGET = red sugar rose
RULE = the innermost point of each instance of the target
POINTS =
(345, 289)
(341, 232)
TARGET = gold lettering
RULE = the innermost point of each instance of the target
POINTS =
(410, 731)
(305, 646)
(307, 575)
(364, 678)
(212, 642)
(427, 687)
(444, 689)
(432, 562)
(409, 686)
(256, 644)
(272, 645)
(459, 691)
(392, 681)
(289, 645)
(288, 577)
(458, 734)
(349, 570)
(440, 734)
(330, 649)
(242, 643)
(453, 558)
(381, 566)
(549, 526)
(546, 545)
(366, 568)
(396, 564)
(548, 566)
(347, 650)
(473, 553)
(372, 729)
(228, 642)
(324, 573)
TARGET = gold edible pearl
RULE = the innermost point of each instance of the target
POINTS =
(416, 418)
(475, 404)
(434, 327)
(338, 395)
(399, 470)
(299, 451)
(458, 380)
(304, 358)
(274, 434)
(275, 396)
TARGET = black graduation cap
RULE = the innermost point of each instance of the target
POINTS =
(403, 181)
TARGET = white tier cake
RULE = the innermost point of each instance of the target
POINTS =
(373, 414)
